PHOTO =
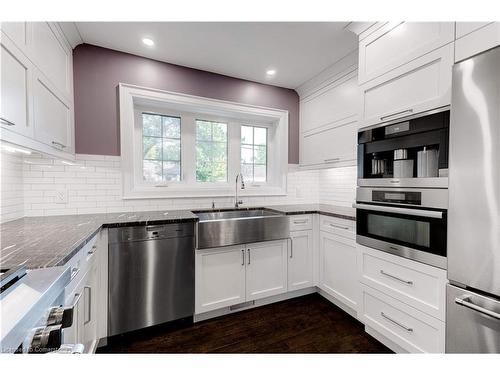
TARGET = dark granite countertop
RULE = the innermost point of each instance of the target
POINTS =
(38, 242)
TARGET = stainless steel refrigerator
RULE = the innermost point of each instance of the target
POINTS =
(473, 296)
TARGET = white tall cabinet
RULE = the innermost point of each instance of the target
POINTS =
(37, 88)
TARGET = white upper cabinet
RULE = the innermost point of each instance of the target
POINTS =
(15, 81)
(17, 32)
(419, 85)
(464, 28)
(397, 43)
(475, 37)
(52, 56)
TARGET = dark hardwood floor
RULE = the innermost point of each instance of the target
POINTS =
(308, 324)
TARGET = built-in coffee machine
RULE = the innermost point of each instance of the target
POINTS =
(412, 152)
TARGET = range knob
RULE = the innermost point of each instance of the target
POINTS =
(60, 316)
(45, 339)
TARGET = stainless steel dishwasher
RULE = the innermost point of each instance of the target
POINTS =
(151, 275)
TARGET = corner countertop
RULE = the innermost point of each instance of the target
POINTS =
(49, 241)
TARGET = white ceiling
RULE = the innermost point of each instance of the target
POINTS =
(297, 50)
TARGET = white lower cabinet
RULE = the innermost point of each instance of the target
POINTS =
(220, 278)
(300, 260)
(338, 268)
(231, 275)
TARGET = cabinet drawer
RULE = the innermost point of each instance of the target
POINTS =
(409, 328)
(81, 262)
(300, 222)
(397, 43)
(340, 227)
(416, 284)
(421, 85)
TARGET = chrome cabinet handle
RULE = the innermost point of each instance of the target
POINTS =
(291, 247)
(409, 329)
(300, 222)
(408, 282)
(466, 302)
(55, 143)
(248, 256)
(74, 272)
(339, 226)
(242, 257)
(76, 299)
(7, 122)
(396, 113)
(92, 251)
(89, 308)
(332, 160)
(399, 210)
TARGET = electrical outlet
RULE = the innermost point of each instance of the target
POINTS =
(61, 196)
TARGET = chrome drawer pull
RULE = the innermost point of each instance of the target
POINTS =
(339, 226)
(465, 301)
(396, 113)
(74, 272)
(76, 299)
(396, 322)
(300, 222)
(92, 251)
(7, 122)
(55, 143)
(332, 160)
(408, 282)
(399, 210)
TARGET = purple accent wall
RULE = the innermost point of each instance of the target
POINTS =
(97, 72)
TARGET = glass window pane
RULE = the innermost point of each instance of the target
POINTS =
(204, 151)
(246, 154)
(171, 171)
(259, 154)
(171, 127)
(219, 131)
(219, 172)
(203, 130)
(171, 149)
(151, 125)
(260, 173)
(151, 148)
(219, 152)
(247, 171)
(260, 135)
(247, 135)
(152, 171)
(203, 172)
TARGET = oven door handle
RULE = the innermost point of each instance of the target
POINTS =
(399, 210)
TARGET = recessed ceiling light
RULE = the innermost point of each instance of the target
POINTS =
(148, 42)
(271, 72)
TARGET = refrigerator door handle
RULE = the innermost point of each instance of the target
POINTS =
(466, 302)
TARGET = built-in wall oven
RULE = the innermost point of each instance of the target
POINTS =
(409, 222)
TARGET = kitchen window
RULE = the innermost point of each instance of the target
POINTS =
(161, 147)
(176, 145)
(211, 151)
(254, 153)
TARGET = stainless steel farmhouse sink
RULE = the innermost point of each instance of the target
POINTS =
(233, 227)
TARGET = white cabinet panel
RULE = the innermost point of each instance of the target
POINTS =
(15, 90)
(409, 328)
(464, 28)
(266, 269)
(51, 56)
(52, 117)
(397, 43)
(421, 85)
(90, 309)
(338, 268)
(415, 284)
(478, 41)
(331, 104)
(17, 32)
(300, 260)
(332, 147)
(75, 333)
(220, 278)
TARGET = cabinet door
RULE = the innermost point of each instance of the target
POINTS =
(397, 43)
(300, 260)
(478, 41)
(335, 147)
(266, 269)
(15, 89)
(338, 268)
(75, 333)
(220, 278)
(52, 56)
(52, 117)
(90, 295)
(421, 85)
(17, 32)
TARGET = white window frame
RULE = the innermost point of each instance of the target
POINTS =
(135, 99)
